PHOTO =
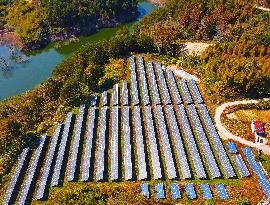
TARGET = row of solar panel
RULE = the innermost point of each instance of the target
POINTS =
(189, 189)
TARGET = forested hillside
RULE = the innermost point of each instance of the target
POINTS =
(38, 22)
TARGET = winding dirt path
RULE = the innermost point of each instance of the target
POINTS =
(225, 134)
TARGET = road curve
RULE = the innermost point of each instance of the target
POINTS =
(225, 134)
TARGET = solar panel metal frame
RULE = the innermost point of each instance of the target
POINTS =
(195, 91)
(175, 191)
(160, 193)
(179, 145)
(195, 156)
(17, 174)
(156, 166)
(221, 191)
(207, 151)
(61, 151)
(185, 90)
(173, 87)
(190, 191)
(241, 166)
(76, 145)
(153, 83)
(163, 84)
(167, 151)
(114, 144)
(140, 145)
(32, 171)
(127, 145)
(101, 146)
(206, 191)
(89, 144)
(115, 95)
(142, 75)
(134, 84)
(225, 162)
(47, 167)
(125, 93)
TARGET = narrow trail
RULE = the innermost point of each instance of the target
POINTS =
(225, 134)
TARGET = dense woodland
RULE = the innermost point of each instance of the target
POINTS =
(237, 66)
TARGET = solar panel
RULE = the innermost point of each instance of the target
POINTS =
(206, 191)
(145, 91)
(61, 151)
(145, 190)
(190, 190)
(139, 143)
(175, 191)
(104, 98)
(29, 181)
(160, 194)
(115, 94)
(15, 180)
(89, 144)
(232, 148)
(47, 168)
(186, 92)
(241, 166)
(127, 145)
(101, 145)
(221, 191)
(225, 162)
(134, 84)
(153, 143)
(177, 138)
(165, 143)
(207, 152)
(195, 156)
(76, 145)
(153, 83)
(173, 87)
(164, 88)
(258, 171)
(196, 92)
(114, 144)
(93, 100)
(125, 93)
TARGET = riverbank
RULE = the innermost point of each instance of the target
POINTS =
(10, 38)
(158, 3)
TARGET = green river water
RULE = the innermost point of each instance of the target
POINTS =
(17, 77)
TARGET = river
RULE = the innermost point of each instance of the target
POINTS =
(17, 77)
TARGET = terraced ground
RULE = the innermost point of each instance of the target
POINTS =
(153, 130)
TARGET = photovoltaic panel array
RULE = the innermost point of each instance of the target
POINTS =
(160, 193)
(177, 138)
(101, 145)
(29, 181)
(196, 92)
(134, 83)
(76, 145)
(221, 191)
(163, 85)
(165, 143)
(173, 86)
(186, 92)
(145, 95)
(89, 144)
(104, 98)
(206, 191)
(225, 162)
(61, 151)
(153, 143)
(257, 170)
(232, 148)
(190, 190)
(140, 145)
(145, 190)
(153, 83)
(125, 93)
(48, 164)
(114, 144)
(175, 191)
(15, 178)
(196, 159)
(241, 166)
(115, 95)
(207, 152)
(127, 144)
